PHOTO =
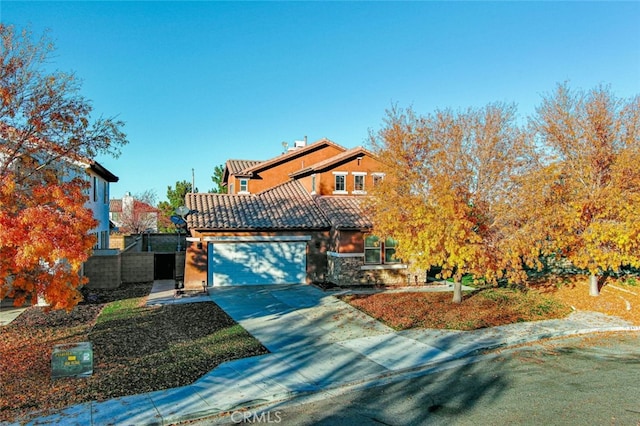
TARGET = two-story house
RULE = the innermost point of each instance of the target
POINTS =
(296, 218)
(68, 167)
(133, 216)
(98, 198)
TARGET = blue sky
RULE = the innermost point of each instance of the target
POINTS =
(198, 83)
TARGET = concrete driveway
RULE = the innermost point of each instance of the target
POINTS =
(285, 317)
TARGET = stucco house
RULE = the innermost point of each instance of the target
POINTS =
(67, 168)
(133, 216)
(296, 218)
(98, 201)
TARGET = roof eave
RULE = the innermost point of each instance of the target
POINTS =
(101, 171)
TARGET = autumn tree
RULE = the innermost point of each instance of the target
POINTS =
(46, 129)
(587, 195)
(447, 178)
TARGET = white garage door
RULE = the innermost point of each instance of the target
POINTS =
(257, 263)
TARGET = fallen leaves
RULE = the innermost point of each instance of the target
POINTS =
(486, 308)
(136, 349)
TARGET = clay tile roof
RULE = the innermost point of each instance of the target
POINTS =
(344, 212)
(286, 206)
(115, 206)
(237, 166)
(141, 207)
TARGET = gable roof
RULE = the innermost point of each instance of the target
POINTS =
(286, 206)
(344, 156)
(115, 206)
(344, 212)
(101, 171)
(289, 155)
(237, 166)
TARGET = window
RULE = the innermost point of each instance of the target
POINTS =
(372, 251)
(231, 188)
(340, 183)
(244, 185)
(358, 182)
(377, 251)
(95, 188)
(105, 189)
(313, 184)
(377, 178)
(390, 250)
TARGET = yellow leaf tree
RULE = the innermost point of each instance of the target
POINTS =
(446, 189)
(45, 128)
(587, 194)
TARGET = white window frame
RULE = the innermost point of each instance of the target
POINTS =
(357, 175)
(377, 177)
(313, 183)
(344, 182)
(245, 183)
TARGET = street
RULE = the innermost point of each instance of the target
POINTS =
(589, 380)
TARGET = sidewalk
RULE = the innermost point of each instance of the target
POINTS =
(333, 365)
(8, 312)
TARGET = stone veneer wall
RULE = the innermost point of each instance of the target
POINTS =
(349, 269)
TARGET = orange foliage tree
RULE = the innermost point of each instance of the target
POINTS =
(583, 203)
(45, 130)
(446, 190)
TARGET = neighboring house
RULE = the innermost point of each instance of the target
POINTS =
(133, 216)
(70, 167)
(98, 202)
(296, 218)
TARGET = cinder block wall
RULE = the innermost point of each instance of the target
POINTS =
(103, 271)
(110, 268)
(164, 242)
(137, 267)
(133, 243)
(180, 262)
